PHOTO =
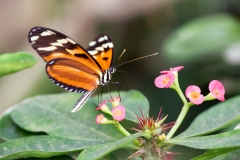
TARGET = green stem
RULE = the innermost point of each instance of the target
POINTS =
(180, 118)
(184, 111)
(125, 132)
(120, 128)
(179, 91)
(181, 95)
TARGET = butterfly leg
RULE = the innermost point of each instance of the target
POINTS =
(82, 100)
(109, 90)
(118, 89)
(125, 74)
(100, 93)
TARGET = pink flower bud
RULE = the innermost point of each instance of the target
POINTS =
(217, 89)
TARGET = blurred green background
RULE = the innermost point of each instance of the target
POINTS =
(201, 35)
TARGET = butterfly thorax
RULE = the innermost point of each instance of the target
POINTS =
(107, 75)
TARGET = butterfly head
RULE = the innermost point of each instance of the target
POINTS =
(112, 70)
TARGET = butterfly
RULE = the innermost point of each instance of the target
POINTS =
(72, 67)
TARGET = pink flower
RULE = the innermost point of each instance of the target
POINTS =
(217, 89)
(100, 119)
(193, 93)
(165, 80)
(102, 105)
(115, 101)
(175, 69)
(119, 113)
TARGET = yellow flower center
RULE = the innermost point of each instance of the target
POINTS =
(118, 112)
(100, 118)
(166, 80)
(216, 92)
(195, 95)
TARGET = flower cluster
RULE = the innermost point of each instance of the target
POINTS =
(118, 111)
(169, 79)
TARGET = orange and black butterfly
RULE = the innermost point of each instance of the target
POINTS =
(72, 67)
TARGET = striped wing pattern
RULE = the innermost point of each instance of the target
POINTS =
(69, 65)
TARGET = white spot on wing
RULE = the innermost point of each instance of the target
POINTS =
(51, 48)
(34, 38)
(62, 40)
(101, 39)
(93, 52)
(110, 44)
(52, 63)
(57, 44)
(99, 48)
(46, 33)
(92, 43)
(70, 40)
(50, 32)
(105, 45)
(105, 37)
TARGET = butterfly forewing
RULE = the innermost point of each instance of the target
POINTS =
(101, 48)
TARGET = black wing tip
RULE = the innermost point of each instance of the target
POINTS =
(33, 30)
(37, 29)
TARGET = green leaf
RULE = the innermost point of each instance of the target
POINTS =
(215, 118)
(132, 101)
(229, 139)
(9, 130)
(100, 151)
(233, 155)
(213, 153)
(14, 62)
(51, 114)
(63, 157)
(204, 36)
(42, 146)
(120, 154)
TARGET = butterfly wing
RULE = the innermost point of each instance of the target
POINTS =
(101, 48)
(69, 65)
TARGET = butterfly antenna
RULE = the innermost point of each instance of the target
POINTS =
(135, 58)
(120, 56)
